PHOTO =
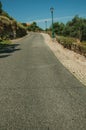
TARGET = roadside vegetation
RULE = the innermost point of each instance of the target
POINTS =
(33, 27)
(75, 28)
(9, 27)
(72, 35)
(72, 44)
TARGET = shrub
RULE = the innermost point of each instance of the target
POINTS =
(71, 43)
(5, 42)
(66, 41)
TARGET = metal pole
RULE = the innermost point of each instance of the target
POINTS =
(46, 26)
(52, 21)
(52, 26)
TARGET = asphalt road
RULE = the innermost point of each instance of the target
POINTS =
(36, 91)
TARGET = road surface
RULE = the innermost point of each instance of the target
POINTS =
(36, 91)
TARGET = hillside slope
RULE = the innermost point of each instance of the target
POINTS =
(9, 27)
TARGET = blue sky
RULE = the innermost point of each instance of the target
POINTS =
(39, 10)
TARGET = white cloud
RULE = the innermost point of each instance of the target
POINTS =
(55, 19)
(41, 20)
(49, 19)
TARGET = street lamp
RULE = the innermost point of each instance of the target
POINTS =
(52, 9)
(46, 26)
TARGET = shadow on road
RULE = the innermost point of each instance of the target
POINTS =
(3, 56)
(7, 49)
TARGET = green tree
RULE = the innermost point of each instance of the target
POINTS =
(0, 7)
(33, 27)
(24, 24)
(76, 28)
(58, 28)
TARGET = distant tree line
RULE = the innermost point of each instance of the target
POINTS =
(33, 27)
(74, 28)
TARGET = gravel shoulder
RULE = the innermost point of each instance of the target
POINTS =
(74, 62)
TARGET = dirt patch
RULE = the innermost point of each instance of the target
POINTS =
(74, 62)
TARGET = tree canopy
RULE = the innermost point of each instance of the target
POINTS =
(33, 27)
(74, 28)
